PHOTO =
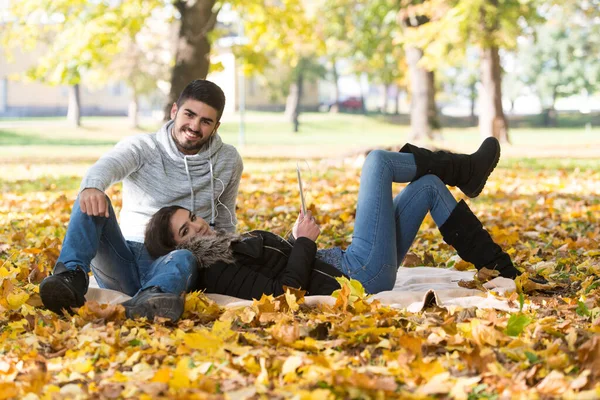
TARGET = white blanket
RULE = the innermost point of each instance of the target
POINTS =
(415, 288)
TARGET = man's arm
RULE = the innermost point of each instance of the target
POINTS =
(112, 167)
(229, 198)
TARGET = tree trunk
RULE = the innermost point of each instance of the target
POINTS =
(363, 97)
(432, 113)
(292, 108)
(74, 110)
(492, 121)
(192, 51)
(336, 83)
(397, 103)
(472, 99)
(132, 112)
(423, 115)
(386, 98)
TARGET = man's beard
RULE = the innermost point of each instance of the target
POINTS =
(187, 146)
(209, 250)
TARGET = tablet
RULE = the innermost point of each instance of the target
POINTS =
(301, 191)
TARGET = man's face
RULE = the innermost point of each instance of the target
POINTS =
(195, 122)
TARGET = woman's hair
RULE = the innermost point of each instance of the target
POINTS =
(158, 238)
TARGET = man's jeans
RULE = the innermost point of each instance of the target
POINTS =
(119, 264)
(385, 226)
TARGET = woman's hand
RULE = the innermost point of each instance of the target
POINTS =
(306, 226)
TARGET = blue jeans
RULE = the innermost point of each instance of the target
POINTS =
(385, 226)
(119, 264)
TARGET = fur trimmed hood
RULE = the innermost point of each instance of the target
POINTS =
(209, 250)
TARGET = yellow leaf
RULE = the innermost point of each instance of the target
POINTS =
(83, 367)
(289, 367)
(163, 375)
(592, 253)
(291, 301)
(222, 329)
(8, 390)
(16, 300)
(119, 377)
(206, 342)
(180, 378)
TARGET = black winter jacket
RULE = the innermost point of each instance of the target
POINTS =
(264, 263)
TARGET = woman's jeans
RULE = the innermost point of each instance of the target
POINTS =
(119, 264)
(385, 226)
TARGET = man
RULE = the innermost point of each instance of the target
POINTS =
(185, 163)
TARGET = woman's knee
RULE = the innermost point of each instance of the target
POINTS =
(432, 181)
(375, 159)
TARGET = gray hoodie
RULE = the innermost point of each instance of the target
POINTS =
(155, 174)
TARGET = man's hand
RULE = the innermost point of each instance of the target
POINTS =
(93, 203)
(306, 226)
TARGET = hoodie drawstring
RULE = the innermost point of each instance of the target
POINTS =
(187, 171)
(212, 190)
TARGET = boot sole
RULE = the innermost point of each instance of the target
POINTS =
(489, 171)
(166, 306)
(57, 296)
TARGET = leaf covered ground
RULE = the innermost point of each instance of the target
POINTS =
(547, 219)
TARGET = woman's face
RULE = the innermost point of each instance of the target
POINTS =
(185, 226)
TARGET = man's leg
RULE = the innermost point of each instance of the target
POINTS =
(163, 285)
(89, 237)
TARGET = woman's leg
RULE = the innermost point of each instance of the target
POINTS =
(426, 194)
(372, 256)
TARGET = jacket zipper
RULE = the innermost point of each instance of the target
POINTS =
(324, 273)
(276, 249)
(314, 269)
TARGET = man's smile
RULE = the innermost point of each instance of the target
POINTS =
(191, 134)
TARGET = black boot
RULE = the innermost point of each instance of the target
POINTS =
(463, 231)
(153, 302)
(468, 172)
(64, 289)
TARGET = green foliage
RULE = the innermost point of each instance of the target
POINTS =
(516, 324)
(560, 59)
(367, 33)
(278, 33)
(74, 37)
(281, 43)
(582, 309)
(453, 25)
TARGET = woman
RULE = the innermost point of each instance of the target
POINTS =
(260, 262)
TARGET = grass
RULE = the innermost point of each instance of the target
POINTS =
(268, 135)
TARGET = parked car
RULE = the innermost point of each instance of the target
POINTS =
(348, 104)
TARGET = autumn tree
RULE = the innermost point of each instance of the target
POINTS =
(333, 25)
(197, 19)
(424, 119)
(283, 47)
(487, 24)
(74, 38)
(374, 46)
(561, 58)
(461, 80)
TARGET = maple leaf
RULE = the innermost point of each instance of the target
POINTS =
(93, 311)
